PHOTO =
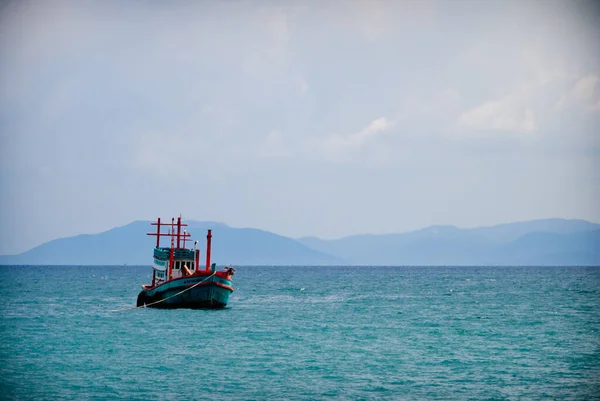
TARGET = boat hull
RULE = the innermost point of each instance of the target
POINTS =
(196, 292)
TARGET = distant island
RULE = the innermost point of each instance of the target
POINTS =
(548, 242)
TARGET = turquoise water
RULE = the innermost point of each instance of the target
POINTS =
(341, 333)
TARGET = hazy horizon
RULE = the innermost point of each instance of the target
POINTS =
(200, 236)
(326, 119)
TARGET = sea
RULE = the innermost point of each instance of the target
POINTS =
(305, 333)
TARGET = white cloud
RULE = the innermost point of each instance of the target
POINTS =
(506, 114)
(334, 147)
(583, 95)
(533, 106)
(339, 147)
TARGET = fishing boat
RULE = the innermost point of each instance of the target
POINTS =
(178, 279)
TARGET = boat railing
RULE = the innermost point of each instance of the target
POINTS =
(165, 253)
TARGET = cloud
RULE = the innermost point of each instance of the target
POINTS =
(505, 114)
(549, 98)
(339, 147)
(585, 95)
(331, 148)
(513, 113)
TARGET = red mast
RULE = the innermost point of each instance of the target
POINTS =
(208, 238)
(178, 232)
(171, 258)
(171, 232)
(158, 234)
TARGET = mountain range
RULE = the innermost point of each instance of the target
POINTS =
(539, 242)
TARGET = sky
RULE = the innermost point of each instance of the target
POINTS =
(325, 118)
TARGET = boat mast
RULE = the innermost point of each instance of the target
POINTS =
(171, 256)
(158, 234)
(158, 246)
(179, 235)
(178, 231)
(208, 239)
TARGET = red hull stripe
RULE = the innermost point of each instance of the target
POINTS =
(217, 284)
(187, 278)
